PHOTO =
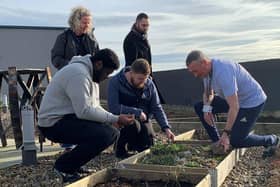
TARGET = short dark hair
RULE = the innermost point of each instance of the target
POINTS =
(108, 57)
(193, 56)
(141, 16)
(141, 66)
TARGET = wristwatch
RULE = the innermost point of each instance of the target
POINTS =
(228, 132)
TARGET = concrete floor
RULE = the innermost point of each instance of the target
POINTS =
(10, 155)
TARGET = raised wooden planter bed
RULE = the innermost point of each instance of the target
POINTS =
(136, 177)
(218, 173)
(193, 135)
(131, 172)
(183, 126)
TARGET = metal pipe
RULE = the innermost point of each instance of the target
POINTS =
(29, 148)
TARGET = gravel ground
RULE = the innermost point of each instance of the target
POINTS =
(252, 170)
(43, 175)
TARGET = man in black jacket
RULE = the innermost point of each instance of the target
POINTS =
(136, 44)
(76, 40)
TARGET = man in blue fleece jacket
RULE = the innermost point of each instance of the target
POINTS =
(132, 92)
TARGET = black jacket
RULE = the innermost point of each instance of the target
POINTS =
(65, 47)
(136, 46)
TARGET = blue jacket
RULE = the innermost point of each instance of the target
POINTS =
(124, 98)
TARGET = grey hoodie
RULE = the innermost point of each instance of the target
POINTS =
(72, 91)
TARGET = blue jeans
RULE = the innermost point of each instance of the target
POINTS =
(243, 125)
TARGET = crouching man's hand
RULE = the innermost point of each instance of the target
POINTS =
(143, 117)
(224, 141)
(169, 134)
(124, 119)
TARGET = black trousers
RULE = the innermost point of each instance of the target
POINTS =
(135, 137)
(90, 138)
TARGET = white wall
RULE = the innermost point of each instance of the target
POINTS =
(26, 47)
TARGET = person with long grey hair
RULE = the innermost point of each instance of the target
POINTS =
(76, 40)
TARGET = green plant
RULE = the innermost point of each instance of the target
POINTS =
(186, 155)
(168, 159)
(192, 164)
(161, 149)
(206, 148)
(219, 158)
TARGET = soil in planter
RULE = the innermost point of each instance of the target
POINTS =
(200, 134)
(122, 182)
(182, 155)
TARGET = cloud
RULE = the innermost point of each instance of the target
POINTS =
(114, 20)
(17, 16)
(237, 29)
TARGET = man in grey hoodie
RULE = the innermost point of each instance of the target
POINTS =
(70, 112)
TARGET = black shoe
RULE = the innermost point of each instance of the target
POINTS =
(271, 150)
(123, 155)
(120, 149)
(84, 170)
(68, 177)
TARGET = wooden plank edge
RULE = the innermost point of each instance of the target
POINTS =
(133, 159)
(106, 175)
(96, 178)
(185, 136)
(153, 175)
(205, 182)
(224, 168)
(200, 171)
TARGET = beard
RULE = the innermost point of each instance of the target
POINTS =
(138, 86)
(96, 75)
(143, 31)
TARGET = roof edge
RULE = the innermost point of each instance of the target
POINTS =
(31, 27)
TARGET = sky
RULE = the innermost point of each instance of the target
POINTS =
(239, 30)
